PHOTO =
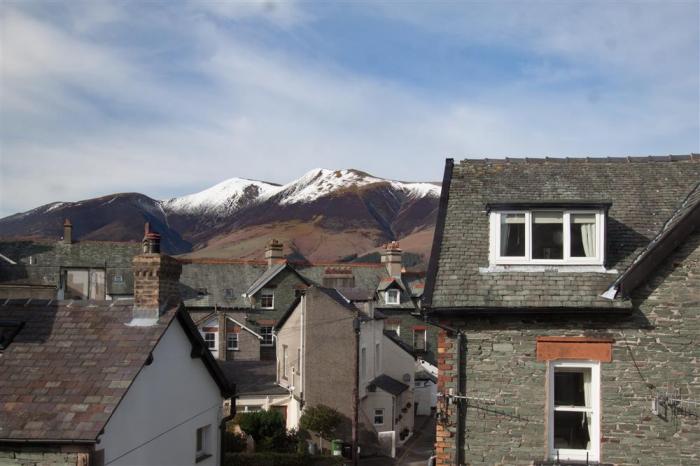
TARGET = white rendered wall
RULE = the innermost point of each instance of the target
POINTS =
(371, 333)
(170, 398)
(397, 363)
(425, 396)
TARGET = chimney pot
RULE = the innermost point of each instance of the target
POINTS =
(156, 281)
(67, 232)
(392, 257)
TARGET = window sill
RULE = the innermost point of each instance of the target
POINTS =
(539, 268)
(202, 457)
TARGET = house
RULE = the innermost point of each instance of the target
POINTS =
(567, 292)
(319, 340)
(122, 382)
(236, 303)
(67, 269)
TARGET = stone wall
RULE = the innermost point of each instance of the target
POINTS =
(23, 455)
(656, 350)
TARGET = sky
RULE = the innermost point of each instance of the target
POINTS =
(169, 98)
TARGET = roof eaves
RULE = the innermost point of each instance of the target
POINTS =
(245, 327)
(439, 231)
(200, 350)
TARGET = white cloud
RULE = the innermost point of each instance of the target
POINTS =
(83, 117)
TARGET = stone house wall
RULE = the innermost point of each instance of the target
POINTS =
(656, 349)
(29, 455)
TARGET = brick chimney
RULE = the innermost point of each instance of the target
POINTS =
(391, 258)
(67, 232)
(274, 253)
(156, 281)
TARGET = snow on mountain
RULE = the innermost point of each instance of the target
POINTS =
(228, 195)
(322, 182)
(236, 193)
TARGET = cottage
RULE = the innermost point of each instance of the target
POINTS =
(568, 296)
(126, 382)
(67, 269)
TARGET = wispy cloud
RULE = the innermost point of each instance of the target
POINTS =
(165, 99)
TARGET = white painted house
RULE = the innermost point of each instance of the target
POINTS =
(110, 382)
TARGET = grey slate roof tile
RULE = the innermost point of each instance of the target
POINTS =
(645, 193)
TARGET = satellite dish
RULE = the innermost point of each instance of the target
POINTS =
(407, 377)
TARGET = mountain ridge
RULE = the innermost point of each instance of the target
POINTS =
(323, 215)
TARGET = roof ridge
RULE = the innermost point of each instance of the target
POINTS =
(692, 157)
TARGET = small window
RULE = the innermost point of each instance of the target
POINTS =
(228, 293)
(377, 358)
(393, 327)
(285, 360)
(202, 444)
(210, 340)
(267, 298)
(232, 341)
(378, 417)
(363, 362)
(420, 339)
(266, 333)
(391, 296)
(298, 361)
(574, 400)
(118, 278)
(547, 237)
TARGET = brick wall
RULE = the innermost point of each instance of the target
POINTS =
(655, 348)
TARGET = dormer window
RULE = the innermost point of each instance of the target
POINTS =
(391, 296)
(547, 236)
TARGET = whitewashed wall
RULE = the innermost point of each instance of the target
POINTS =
(172, 397)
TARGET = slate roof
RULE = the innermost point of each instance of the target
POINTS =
(253, 377)
(389, 385)
(49, 256)
(226, 281)
(683, 221)
(645, 192)
(66, 370)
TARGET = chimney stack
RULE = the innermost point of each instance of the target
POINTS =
(156, 281)
(391, 258)
(274, 253)
(67, 232)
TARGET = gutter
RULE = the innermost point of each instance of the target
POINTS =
(51, 441)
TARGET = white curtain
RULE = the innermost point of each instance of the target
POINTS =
(506, 221)
(587, 400)
(588, 237)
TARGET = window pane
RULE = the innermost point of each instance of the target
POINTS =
(571, 430)
(572, 388)
(583, 235)
(76, 284)
(512, 235)
(547, 235)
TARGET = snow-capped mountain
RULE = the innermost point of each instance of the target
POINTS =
(324, 214)
(237, 193)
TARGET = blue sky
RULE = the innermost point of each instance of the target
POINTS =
(168, 98)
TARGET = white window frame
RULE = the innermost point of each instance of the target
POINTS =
(263, 334)
(378, 412)
(393, 302)
(495, 237)
(202, 452)
(216, 340)
(575, 454)
(228, 341)
(267, 292)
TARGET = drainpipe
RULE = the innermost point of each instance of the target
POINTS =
(222, 427)
(461, 412)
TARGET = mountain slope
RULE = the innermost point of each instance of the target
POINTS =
(323, 215)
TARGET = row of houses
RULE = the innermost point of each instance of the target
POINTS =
(242, 309)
